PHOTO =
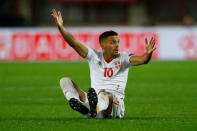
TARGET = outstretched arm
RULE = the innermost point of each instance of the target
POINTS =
(76, 45)
(144, 59)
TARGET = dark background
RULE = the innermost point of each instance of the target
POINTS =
(98, 12)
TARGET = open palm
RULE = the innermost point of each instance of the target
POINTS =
(150, 46)
(57, 16)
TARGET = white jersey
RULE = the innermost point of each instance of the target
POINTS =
(110, 76)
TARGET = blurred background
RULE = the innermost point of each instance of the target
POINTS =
(28, 31)
(98, 12)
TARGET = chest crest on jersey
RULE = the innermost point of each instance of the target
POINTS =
(117, 64)
(99, 63)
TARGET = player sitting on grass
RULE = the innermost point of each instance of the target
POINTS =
(108, 72)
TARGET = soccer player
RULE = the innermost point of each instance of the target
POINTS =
(108, 72)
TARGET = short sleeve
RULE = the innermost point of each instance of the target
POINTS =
(91, 54)
(126, 59)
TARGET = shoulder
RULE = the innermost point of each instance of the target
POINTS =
(92, 53)
(91, 50)
(125, 58)
(125, 54)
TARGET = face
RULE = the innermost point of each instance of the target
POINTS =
(110, 45)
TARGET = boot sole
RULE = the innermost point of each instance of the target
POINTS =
(93, 100)
(78, 106)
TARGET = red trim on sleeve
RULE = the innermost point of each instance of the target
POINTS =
(131, 54)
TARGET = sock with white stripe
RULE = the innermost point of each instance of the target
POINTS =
(68, 89)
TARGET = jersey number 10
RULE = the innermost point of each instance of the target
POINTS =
(108, 72)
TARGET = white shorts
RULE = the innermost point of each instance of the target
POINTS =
(118, 107)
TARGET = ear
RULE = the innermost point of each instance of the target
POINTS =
(102, 44)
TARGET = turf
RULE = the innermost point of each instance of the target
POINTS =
(159, 96)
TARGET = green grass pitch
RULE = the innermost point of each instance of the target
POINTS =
(160, 96)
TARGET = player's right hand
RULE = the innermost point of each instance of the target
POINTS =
(58, 17)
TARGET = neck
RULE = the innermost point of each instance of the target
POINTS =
(107, 56)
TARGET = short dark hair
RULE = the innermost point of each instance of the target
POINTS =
(106, 34)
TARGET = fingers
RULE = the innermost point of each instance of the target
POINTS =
(153, 45)
(59, 14)
(152, 42)
(150, 46)
(146, 42)
(54, 13)
(154, 49)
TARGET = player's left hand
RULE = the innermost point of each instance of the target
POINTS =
(150, 46)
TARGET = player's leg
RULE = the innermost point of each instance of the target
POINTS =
(74, 95)
(82, 95)
(104, 106)
(101, 102)
(105, 100)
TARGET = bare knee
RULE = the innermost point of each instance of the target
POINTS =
(105, 93)
(110, 96)
(102, 90)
